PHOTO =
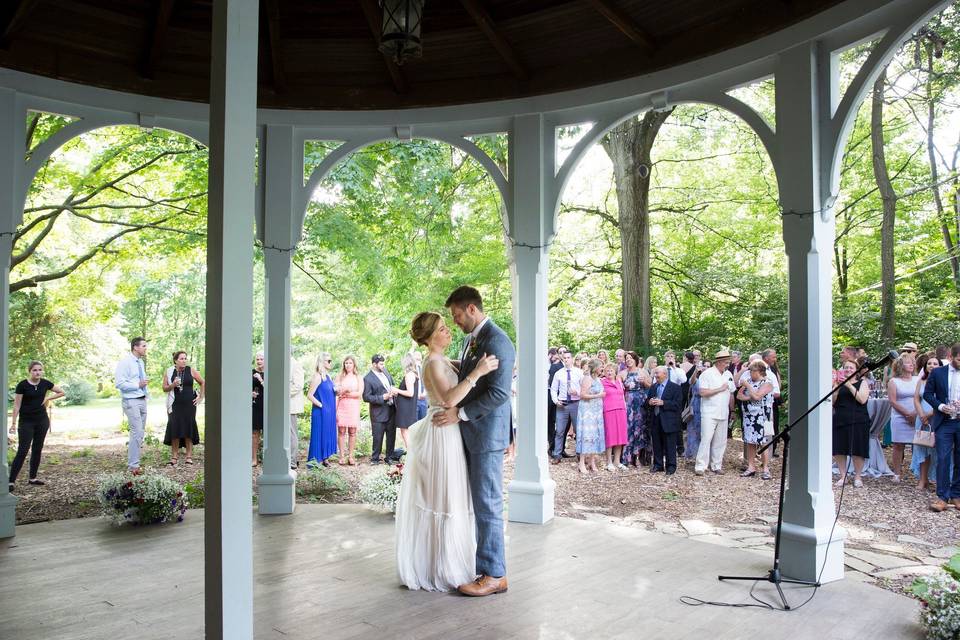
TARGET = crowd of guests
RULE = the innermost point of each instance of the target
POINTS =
(620, 412)
(923, 389)
(335, 407)
(634, 411)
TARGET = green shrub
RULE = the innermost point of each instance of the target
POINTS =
(194, 490)
(320, 483)
(86, 452)
(77, 392)
(364, 444)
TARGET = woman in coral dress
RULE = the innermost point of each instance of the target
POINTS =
(349, 389)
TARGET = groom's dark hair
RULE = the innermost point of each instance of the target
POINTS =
(463, 297)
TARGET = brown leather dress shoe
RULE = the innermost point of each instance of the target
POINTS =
(484, 586)
(938, 505)
(955, 502)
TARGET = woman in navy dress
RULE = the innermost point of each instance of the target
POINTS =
(323, 417)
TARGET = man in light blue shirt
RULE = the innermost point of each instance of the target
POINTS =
(131, 380)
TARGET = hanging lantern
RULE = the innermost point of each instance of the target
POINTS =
(400, 38)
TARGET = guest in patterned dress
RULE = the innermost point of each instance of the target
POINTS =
(636, 381)
(614, 416)
(591, 439)
(757, 398)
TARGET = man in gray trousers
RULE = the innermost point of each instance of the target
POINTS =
(131, 379)
(484, 417)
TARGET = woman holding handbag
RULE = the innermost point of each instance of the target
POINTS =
(923, 462)
(756, 395)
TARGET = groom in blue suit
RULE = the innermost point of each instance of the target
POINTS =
(943, 388)
(484, 417)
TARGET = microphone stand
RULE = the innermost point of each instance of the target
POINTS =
(774, 576)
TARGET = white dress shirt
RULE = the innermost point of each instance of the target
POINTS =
(560, 391)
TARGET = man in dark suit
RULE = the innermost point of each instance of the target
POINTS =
(554, 356)
(665, 400)
(942, 392)
(378, 392)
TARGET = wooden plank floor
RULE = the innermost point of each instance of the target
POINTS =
(328, 572)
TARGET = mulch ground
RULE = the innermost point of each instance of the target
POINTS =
(888, 509)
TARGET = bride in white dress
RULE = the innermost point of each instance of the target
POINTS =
(436, 534)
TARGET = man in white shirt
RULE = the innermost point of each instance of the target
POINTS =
(131, 379)
(716, 385)
(674, 372)
(565, 392)
(296, 408)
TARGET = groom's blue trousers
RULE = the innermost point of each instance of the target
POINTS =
(486, 485)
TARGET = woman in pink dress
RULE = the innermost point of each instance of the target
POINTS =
(614, 416)
(349, 388)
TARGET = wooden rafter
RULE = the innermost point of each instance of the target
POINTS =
(496, 38)
(158, 38)
(276, 61)
(16, 22)
(622, 21)
(372, 13)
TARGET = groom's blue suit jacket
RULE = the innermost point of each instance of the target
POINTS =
(488, 404)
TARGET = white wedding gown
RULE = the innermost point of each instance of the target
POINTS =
(436, 537)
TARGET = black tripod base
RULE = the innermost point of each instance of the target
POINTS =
(773, 576)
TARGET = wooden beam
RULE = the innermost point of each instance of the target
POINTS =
(158, 37)
(622, 21)
(374, 20)
(17, 19)
(493, 34)
(273, 27)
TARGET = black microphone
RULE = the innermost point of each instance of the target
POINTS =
(870, 365)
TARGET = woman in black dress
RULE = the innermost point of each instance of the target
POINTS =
(258, 376)
(851, 423)
(30, 406)
(407, 394)
(182, 401)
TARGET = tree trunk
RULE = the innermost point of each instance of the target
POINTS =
(942, 216)
(888, 321)
(628, 145)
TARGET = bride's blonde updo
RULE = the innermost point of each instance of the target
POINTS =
(424, 324)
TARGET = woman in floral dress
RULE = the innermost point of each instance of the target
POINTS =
(591, 438)
(636, 381)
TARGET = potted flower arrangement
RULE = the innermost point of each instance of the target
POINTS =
(940, 593)
(144, 499)
(381, 487)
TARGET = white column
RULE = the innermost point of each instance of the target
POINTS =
(808, 231)
(228, 531)
(277, 483)
(532, 489)
(11, 156)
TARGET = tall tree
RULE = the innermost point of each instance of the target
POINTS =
(629, 146)
(888, 196)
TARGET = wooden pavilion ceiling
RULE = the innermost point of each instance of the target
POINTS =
(322, 54)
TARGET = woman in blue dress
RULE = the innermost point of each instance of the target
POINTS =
(591, 438)
(323, 417)
(923, 463)
(693, 428)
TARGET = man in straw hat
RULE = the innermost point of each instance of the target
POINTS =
(716, 385)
